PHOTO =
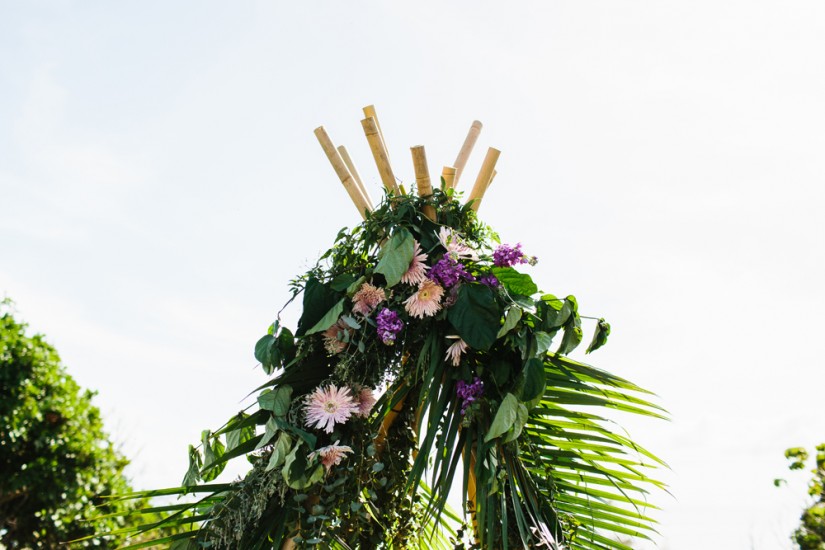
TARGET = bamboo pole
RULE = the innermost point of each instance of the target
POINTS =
(484, 178)
(422, 178)
(342, 172)
(466, 149)
(355, 175)
(477, 204)
(448, 175)
(379, 153)
(369, 111)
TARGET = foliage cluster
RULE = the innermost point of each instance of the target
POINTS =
(470, 361)
(810, 535)
(56, 462)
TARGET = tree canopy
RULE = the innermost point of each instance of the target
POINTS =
(56, 461)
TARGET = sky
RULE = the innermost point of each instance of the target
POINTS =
(160, 184)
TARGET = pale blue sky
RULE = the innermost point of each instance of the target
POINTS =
(160, 184)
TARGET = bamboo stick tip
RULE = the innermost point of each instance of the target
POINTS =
(448, 170)
(369, 125)
(477, 124)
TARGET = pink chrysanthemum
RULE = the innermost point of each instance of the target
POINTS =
(331, 455)
(366, 400)
(455, 351)
(334, 337)
(417, 271)
(426, 301)
(367, 297)
(329, 406)
(455, 245)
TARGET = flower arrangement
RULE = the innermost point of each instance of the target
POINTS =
(425, 356)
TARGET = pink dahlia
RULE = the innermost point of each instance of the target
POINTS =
(455, 245)
(329, 406)
(426, 301)
(417, 271)
(455, 350)
(366, 400)
(367, 297)
(331, 455)
(334, 337)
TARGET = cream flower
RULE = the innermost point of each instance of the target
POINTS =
(333, 337)
(367, 297)
(329, 406)
(417, 271)
(366, 401)
(456, 350)
(426, 302)
(331, 455)
(455, 245)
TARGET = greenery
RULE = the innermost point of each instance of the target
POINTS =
(810, 535)
(469, 358)
(56, 462)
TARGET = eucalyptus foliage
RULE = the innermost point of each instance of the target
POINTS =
(476, 389)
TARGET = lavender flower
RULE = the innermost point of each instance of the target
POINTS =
(469, 393)
(448, 271)
(489, 280)
(389, 325)
(508, 256)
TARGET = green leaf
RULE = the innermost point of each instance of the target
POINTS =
(270, 432)
(505, 417)
(572, 335)
(236, 437)
(510, 321)
(515, 282)
(213, 450)
(396, 257)
(318, 300)
(521, 419)
(279, 451)
(329, 319)
(267, 352)
(543, 341)
(600, 336)
(552, 301)
(277, 400)
(534, 380)
(476, 315)
(193, 474)
(286, 344)
(342, 282)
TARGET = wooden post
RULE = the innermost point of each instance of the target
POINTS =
(355, 175)
(342, 172)
(466, 149)
(379, 153)
(448, 175)
(485, 175)
(422, 178)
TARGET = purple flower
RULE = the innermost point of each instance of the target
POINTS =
(489, 280)
(468, 393)
(389, 325)
(508, 256)
(448, 271)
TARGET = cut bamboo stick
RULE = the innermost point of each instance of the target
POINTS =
(369, 111)
(342, 172)
(379, 153)
(485, 175)
(355, 175)
(448, 175)
(466, 149)
(422, 178)
(477, 204)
